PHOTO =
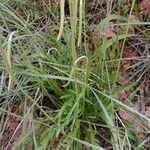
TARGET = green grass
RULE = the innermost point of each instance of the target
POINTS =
(65, 92)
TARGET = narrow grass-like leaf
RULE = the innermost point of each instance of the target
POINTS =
(109, 122)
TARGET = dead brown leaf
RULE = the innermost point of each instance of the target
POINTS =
(131, 119)
(12, 123)
(123, 79)
(129, 52)
(127, 2)
(126, 116)
(147, 113)
(101, 2)
(134, 19)
(108, 33)
(145, 7)
(121, 96)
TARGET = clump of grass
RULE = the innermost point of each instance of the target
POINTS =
(65, 92)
